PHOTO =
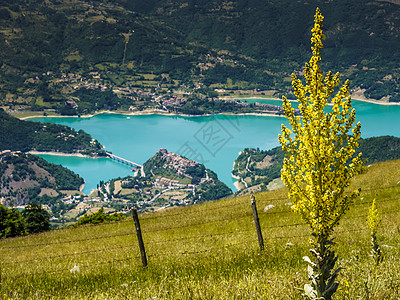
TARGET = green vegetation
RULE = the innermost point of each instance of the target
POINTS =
(26, 178)
(11, 222)
(94, 100)
(213, 191)
(373, 224)
(259, 167)
(379, 148)
(33, 219)
(319, 162)
(198, 106)
(36, 218)
(209, 251)
(17, 135)
(99, 217)
(52, 50)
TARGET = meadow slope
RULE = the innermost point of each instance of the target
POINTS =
(209, 251)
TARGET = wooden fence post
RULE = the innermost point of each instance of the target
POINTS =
(139, 236)
(257, 222)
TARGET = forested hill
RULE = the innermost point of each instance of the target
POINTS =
(239, 44)
(18, 135)
(26, 178)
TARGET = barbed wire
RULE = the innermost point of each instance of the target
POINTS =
(144, 216)
(370, 202)
(66, 255)
(185, 252)
(242, 203)
(381, 188)
(198, 237)
(233, 217)
(112, 261)
(211, 235)
(247, 214)
(207, 209)
(187, 238)
(190, 238)
(163, 254)
(130, 246)
(68, 241)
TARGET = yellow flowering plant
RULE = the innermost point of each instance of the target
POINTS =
(320, 161)
(373, 223)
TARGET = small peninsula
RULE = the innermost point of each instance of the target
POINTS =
(25, 136)
(167, 180)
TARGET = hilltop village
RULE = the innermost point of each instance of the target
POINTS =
(167, 179)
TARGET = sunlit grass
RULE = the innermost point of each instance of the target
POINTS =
(209, 251)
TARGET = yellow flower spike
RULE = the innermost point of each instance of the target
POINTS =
(373, 223)
(373, 218)
(319, 151)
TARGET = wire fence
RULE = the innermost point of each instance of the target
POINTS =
(247, 236)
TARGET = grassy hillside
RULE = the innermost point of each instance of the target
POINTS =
(51, 49)
(209, 251)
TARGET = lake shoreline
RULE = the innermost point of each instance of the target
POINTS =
(54, 153)
(237, 183)
(135, 137)
(353, 97)
(150, 112)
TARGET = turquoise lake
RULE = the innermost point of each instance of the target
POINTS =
(212, 140)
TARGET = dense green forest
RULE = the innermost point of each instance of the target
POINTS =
(18, 135)
(48, 46)
(257, 166)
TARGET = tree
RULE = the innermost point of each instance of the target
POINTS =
(320, 162)
(36, 218)
(99, 217)
(11, 222)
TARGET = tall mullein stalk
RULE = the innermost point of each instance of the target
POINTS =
(373, 223)
(320, 161)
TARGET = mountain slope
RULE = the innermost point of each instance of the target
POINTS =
(240, 44)
(28, 178)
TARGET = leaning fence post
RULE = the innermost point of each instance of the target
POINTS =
(257, 222)
(139, 236)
